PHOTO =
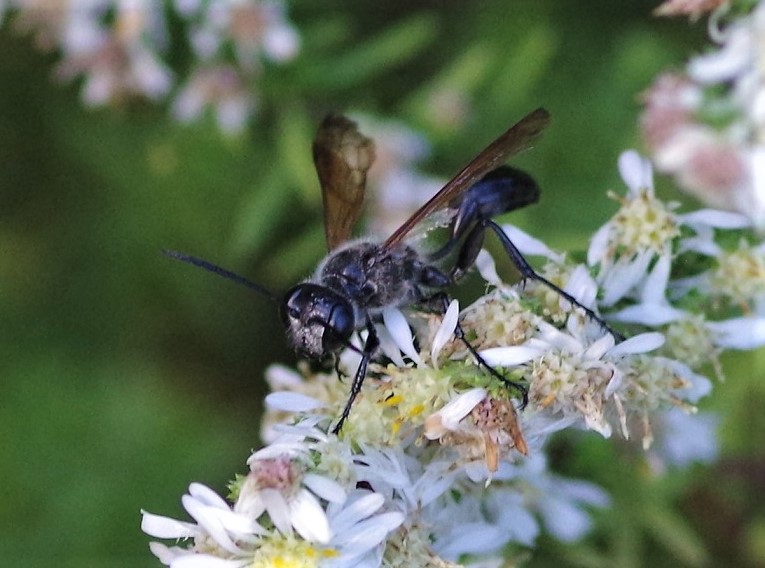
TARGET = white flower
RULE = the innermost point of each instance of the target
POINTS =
(713, 144)
(560, 502)
(653, 308)
(640, 232)
(739, 333)
(221, 88)
(361, 526)
(222, 537)
(728, 62)
(218, 533)
(119, 61)
(118, 49)
(290, 497)
(445, 331)
(574, 379)
(492, 430)
(251, 28)
(483, 521)
(683, 438)
(475, 526)
(399, 329)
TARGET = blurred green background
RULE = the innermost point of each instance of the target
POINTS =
(125, 376)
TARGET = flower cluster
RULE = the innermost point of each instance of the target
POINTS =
(705, 126)
(120, 50)
(438, 464)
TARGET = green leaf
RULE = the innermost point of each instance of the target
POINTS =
(261, 213)
(673, 531)
(379, 55)
(295, 134)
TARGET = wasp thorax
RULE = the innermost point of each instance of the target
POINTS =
(318, 320)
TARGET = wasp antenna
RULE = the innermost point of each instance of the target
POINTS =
(215, 269)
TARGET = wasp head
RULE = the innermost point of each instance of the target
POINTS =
(318, 320)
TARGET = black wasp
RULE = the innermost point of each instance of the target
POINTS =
(359, 279)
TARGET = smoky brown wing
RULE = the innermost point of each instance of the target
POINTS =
(517, 138)
(342, 156)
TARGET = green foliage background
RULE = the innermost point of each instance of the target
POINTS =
(125, 376)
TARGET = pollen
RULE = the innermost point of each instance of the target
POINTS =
(416, 410)
(289, 552)
(690, 341)
(649, 385)
(740, 275)
(564, 383)
(643, 223)
(394, 400)
(497, 321)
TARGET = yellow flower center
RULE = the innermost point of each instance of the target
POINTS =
(289, 552)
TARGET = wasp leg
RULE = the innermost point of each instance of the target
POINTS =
(440, 301)
(472, 246)
(370, 345)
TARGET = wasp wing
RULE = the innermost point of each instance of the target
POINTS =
(342, 156)
(517, 138)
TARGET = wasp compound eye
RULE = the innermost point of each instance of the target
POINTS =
(340, 326)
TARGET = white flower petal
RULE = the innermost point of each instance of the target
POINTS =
(655, 286)
(510, 356)
(278, 510)
(165, 527)
(551, 336)
(292, 402)
(206, 561)
(715, 218)
(624, 276)
(431, 488)
(237, 524)
(369, 533)
(700, 245)
(520, 524)
(700, 386)
(281, 377)
(487, 268)
(324, 487)
(357, 510)
(281, 43)
(596, 252)
(565, 520)
(598, 424)
(650, 315)
(642, 343)
(614, 383)
(584, 492)
(308, 517)
(209, 521)
(724, 64)
(445, 330)
(739, 333)
(401, 332)
(635, 171)
(167, 554)
(687, 438)
(529, 245)
(388, 346)
(582, 286)
(472, 538)
(207, 496)
(459, 407)
(600, 347)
